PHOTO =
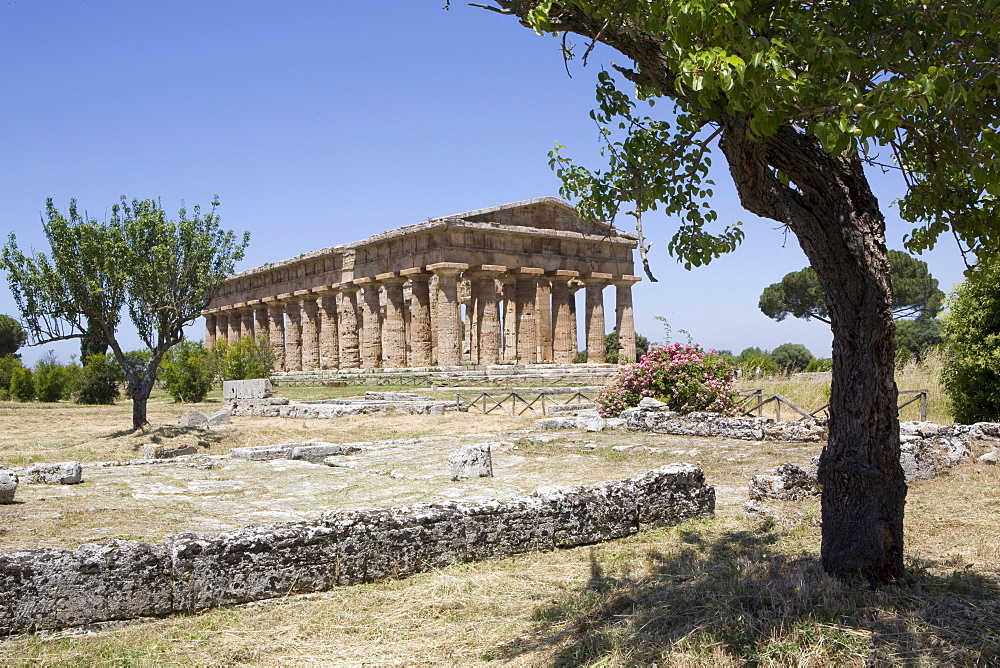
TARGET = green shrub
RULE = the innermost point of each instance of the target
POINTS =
(22, 386)
(791, 357)
(53, 381)
(971, 374)
(681, 375)
(188, 371)
(248, 358)
(758, 367)
(7, 365)
(819, 364)
(99, 381)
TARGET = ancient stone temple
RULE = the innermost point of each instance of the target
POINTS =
(485, 287)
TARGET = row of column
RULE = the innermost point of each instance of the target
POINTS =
(524, 315)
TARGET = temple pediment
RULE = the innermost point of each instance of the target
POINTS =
(545, 213)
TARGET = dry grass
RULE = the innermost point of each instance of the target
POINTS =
(725, 592)
(811, 392)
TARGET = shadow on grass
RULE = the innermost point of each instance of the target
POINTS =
(165, 433)
(733, 598)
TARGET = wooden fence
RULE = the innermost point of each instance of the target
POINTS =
(755, 400)
(514, 404)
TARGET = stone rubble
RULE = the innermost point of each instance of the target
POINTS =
(54, 588)
(152, 451)
(787, 483)
(62, 473)
(193, 419)
(8, 484)
(471, 461)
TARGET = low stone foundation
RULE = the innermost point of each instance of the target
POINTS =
(54, 588)
(390, 403)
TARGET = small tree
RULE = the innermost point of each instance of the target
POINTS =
(971, 374)
(22, 385)
(188, 372)
(791, 357)
(53, 381)
(99, 381)
(248, 357)
(8, 364)
(162, 272)
(12, 335)
(683, 376)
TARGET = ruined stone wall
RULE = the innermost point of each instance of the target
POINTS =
(54, 588)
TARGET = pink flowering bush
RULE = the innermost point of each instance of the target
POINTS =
(683, 376)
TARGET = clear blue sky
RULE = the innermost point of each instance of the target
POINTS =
(321, 122)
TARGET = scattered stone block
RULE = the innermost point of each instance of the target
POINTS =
(262, 453)
(651, 404)
(194, 419)
(757, 510)
(221, 416)
(988, 458)
(151, 451)
(392, 396)
(63, 473)
(257, 388)
(8, 485)
(787, 483)
(471, 461)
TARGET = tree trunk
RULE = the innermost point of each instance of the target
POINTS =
(139, 399)
(837, 221)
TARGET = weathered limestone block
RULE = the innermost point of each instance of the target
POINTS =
(151, 451)
(590, 513)
(317, 451)
(787, 482)
(471, 461)
(985, 431)
(394, 396)
(259, 407)
(194, 419)
(251, 564)
(927, 449)
(988, 458)
(8, 485)
(673, 494)
(657, 420)
(261, 453)
(257, 388)
(63, 473)
(55, 588)
(220, 417)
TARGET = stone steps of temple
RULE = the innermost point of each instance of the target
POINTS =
(598, 374)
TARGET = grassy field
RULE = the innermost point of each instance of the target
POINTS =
(724, 592)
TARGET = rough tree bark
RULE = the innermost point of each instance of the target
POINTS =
(833, 213)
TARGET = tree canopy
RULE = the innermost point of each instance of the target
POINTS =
(162, 272)
(915, 292)
(971, 374)
(799, 98)
(12, 335)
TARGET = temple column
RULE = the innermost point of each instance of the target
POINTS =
(508, 319)
(310, 330)
(233, 326)
(371, 316)
(276, 331)
(260, 324)
(293, 332)
(624, 320)
(485, 293)
(525, 336)
(574, 286)
(543, 319)
(329, 330)
(246, 321)
(394, 327)
(221, 326)
(449, 350)
(210, 323)
(421, 341)
(350, 349)
(595, 283)
(563, 316)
